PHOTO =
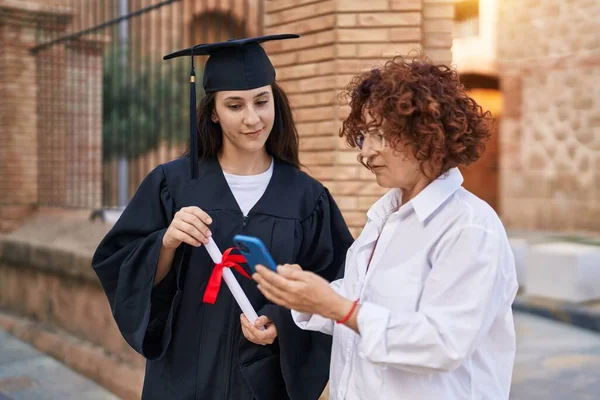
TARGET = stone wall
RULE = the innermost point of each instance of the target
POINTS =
(549, 63)
(57, 304)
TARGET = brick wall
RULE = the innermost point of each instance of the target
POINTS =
(18, 134)
(341, 38)
(550, 133)
(45, 277)
(438, 18)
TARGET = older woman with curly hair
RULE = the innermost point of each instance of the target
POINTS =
(424, 308)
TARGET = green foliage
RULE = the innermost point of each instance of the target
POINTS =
(143, 105)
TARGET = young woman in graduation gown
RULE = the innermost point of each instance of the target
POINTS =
(154, 268)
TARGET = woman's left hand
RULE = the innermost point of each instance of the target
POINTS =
(254, 334)
(302, 291)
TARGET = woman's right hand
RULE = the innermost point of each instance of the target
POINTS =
(189, 225)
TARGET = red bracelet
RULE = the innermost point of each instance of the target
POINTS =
(347, 317)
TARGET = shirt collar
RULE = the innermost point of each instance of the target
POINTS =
(425, 203)
(386, 205)
(436, 193)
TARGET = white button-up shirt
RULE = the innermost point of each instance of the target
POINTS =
(435, 319)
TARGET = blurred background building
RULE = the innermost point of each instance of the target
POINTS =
(88, 107)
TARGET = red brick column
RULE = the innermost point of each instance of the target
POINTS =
(341, 38)
(18, 119)
(51, 130)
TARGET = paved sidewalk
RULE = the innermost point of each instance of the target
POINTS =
(555, 361)
(26, 374)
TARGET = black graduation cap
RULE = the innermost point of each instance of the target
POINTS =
(237, 64)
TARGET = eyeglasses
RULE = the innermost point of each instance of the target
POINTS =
(377, 139)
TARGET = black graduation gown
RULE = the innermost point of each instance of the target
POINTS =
(196, 350)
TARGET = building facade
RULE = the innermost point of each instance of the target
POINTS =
(534, 64)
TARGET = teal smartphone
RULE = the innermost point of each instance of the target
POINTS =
(255, 252)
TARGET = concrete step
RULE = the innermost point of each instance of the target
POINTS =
(563, 271)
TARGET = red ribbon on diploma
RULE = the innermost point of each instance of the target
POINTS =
(214, 283)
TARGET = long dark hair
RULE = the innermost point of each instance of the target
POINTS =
(282, 143)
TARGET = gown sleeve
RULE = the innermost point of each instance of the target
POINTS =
(125, 263)
(305, 355)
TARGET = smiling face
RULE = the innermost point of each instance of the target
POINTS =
(246, 118)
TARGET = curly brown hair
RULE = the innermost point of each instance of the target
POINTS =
(421, 106)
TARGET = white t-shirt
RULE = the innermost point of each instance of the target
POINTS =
(248, 189)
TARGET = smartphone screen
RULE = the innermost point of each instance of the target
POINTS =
(255, 252)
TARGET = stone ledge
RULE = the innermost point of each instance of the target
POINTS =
(92, 361)
(61, 243)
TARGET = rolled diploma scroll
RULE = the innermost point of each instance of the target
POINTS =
(232, 283)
